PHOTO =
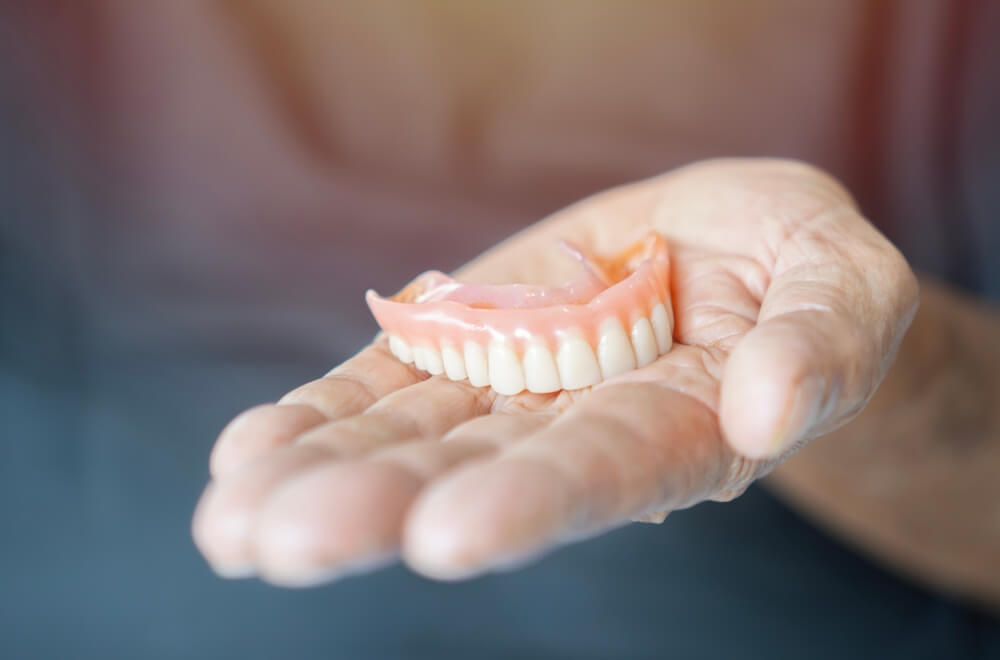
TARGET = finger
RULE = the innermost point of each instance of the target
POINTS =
(338, 519)
(225, 514)
(830, 323)
(258, 431)
(426, 410)
(225, 517)
(423, 411)
(623, 451)
(347, 390)
(348, 517)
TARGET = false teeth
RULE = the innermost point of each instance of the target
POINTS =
(454, 363)
(644, 342)
(614, 350)
(615, 317)
(400, 349)
(505, 371)
(577, 363)
(476, 365)
(541, 374)
(662, 324)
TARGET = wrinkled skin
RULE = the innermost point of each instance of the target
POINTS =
(789, 308)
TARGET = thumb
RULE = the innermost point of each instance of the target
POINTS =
(827, 332)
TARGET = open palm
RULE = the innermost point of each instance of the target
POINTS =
(788, 306)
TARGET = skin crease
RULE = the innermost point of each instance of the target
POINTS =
(789, 310)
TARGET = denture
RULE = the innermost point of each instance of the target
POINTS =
(614, 317)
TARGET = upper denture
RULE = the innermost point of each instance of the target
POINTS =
(614, 317)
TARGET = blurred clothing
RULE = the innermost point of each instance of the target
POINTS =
(194, 196)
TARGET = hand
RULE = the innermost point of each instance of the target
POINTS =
(789, 308)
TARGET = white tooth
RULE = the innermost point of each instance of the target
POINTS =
(662, 327)
(433, 358)
(577, 364)
(400, 349)
(540, 372)
(476, 365)
(644, 342)
(506, 374)
(454, 365)
(614, 352)
(420, 358)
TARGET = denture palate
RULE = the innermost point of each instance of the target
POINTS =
(614, 317)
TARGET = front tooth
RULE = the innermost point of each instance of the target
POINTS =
(660, 318)
(506, 374)
(454, 365)
(420, 358)
(476, 365)
(644, 342)
(614, 352)
(433, 359)
(577, 365)
(540, 372)
(400, 349)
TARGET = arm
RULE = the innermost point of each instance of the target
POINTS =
(915, 479)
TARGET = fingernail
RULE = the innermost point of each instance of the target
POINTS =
(803, 414)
